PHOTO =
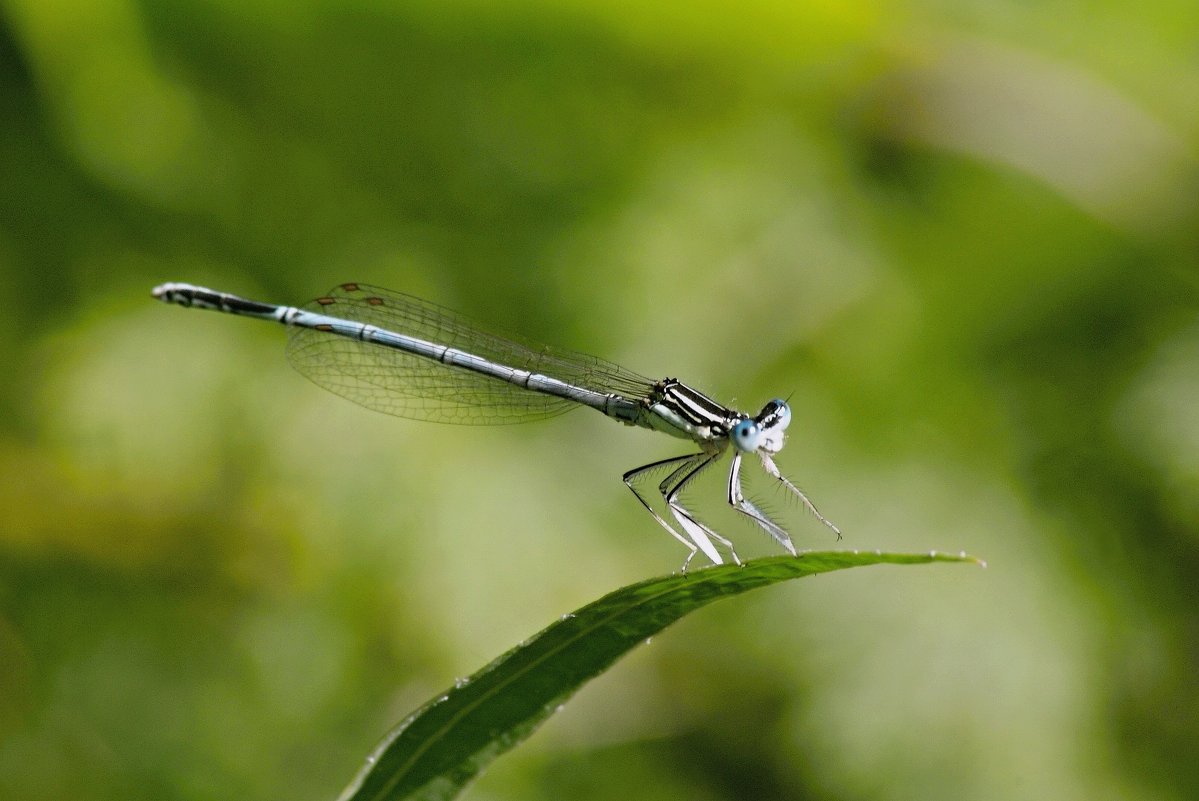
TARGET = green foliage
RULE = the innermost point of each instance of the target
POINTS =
(961, 237)
(440, 747)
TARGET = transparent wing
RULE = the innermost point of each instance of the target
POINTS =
(398, 383)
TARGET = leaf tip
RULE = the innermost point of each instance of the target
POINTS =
(965, 557)
(961, 556)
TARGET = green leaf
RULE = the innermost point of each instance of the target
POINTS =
(440, 747)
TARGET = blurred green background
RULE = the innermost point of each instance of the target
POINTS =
(964, 235)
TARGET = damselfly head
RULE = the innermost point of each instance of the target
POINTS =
(764, 432)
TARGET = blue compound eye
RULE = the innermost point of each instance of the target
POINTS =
(782, 414)
(745, 435)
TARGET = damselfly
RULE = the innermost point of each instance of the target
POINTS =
(404, 356)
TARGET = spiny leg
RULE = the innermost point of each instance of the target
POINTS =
(630, 479)
(687, 520)
(743, 505)
(770, 467)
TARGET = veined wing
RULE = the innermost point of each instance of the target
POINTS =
(395, 382)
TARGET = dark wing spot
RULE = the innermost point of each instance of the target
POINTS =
(376, 301)
(326, 301)
(350, 287)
